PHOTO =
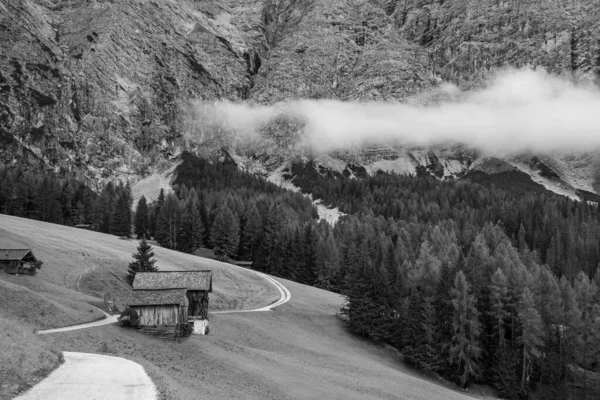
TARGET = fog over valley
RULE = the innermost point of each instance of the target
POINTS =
(518, 110)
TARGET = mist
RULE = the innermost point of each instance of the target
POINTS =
(517, 111)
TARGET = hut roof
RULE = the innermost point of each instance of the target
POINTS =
(190, 280)
(16, 255)
(244, 263)
(157, 297)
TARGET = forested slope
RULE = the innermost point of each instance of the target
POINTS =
(474, 283)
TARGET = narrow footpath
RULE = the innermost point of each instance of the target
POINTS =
(109, 319)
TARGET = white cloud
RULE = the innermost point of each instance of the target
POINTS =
(519, 110)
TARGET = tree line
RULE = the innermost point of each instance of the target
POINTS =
(50, 197)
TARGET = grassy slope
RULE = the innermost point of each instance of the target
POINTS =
(299, 351)
(25, 358)
(94, 263)
(79, 267)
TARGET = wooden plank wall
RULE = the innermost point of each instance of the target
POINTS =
(183, 314)
(158, 315)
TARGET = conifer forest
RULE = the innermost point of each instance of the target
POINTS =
(471, 283)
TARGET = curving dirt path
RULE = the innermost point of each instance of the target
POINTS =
(283, 291)
(109, 319)
(94, 376)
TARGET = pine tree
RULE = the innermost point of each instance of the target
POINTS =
(522, 239)
(192, 229)
(143, 261)
(478, 262)
(79, 215)
(120, 224)
(168, 223)
(252, 233)
(155, 211)
(273, 226)
(465, 348)
(105, 207)
(413, 330)
(307, 273)
(142, 219)
(205, 221)
(225, 233)
(327, 262)
(390, 261)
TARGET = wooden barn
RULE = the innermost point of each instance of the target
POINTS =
(162, 313)
(19, 261)
(197, 285)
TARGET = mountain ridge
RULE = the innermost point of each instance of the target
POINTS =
(103, 89)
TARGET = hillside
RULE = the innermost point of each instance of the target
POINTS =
(79, 261)
(270, 355)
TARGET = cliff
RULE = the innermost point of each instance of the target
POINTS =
(102, 88)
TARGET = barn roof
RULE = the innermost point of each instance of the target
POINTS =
(157, 297)
(190, 280)
(15, 254)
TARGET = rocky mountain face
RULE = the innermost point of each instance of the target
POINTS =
(99, 86)
(103, 88)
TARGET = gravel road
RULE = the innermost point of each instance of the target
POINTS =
(94, 377)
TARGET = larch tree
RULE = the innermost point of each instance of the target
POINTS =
(426, 273)
(503, 363)
(465, 347)
(549, 304)
(588, 337)
(569, 316)
(530, 339)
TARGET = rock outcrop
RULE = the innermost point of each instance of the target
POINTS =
(98, 86)
(102, 87)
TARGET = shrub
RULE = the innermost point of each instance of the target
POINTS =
(129, 318)
(106, 348)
